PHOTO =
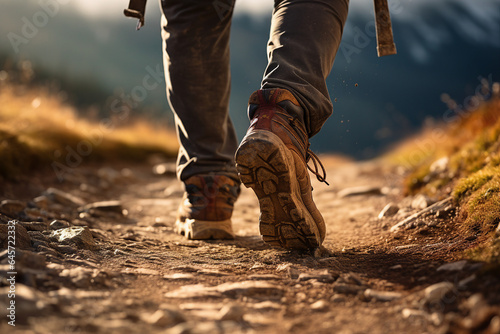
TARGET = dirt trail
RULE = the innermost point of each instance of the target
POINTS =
(140, 277)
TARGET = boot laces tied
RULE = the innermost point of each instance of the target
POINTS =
(319, 170)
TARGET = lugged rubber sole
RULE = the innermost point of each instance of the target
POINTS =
(205, 230)
(267, 166)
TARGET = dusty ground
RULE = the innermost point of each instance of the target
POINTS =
(134, 275)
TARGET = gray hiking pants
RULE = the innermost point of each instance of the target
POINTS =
(305, 36)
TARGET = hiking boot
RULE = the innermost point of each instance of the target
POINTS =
(272, 160)
(207, 206)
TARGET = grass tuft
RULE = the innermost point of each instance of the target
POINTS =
(461, 159)
(38, 130)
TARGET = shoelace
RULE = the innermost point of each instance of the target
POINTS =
(311, 156)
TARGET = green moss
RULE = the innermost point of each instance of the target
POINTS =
(467, 186)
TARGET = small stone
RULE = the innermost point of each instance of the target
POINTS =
(198, 327)
(42, 202)
(439, 166)
(230, 289)
(22, 238)
(163, 317)
(436, 318)
(475, 301)
(321, 277)
(421, 202)
(167, 168)
(357, 191)
(264, 277)
(454, 266)
(267, 306)
(348, 289)
(231, 312)
(351, 278)
(467, 280)
(435, 293)
(58, 224)
(211, 272)
(12, 207)
(250, 289)
(146, 271)
(184, 268)
(257, 265)
(301, 296)
(337, 298)
(382, 296)
(411, 313)
(81, 236)
(396, 267)
(64, 198)
(320, 305)
(388, 211)
(179, 277)
(103, 207)
(293, 273)
(35, 214)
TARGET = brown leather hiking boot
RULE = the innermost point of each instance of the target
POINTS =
(207, 206)
(272, 160)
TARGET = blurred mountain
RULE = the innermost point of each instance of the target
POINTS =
(444, 47)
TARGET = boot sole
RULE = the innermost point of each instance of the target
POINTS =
(194, 229)
(267, 166)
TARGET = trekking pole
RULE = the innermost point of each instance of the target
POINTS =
(385, 39)
(136, 9)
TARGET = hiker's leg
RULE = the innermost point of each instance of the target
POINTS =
(305, 36)
(196, 60)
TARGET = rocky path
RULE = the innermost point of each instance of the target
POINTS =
(87, 266)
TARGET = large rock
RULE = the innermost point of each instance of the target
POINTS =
(78, 235)
(22, 238)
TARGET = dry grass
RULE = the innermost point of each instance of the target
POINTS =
(471, 174)
(37, 130)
